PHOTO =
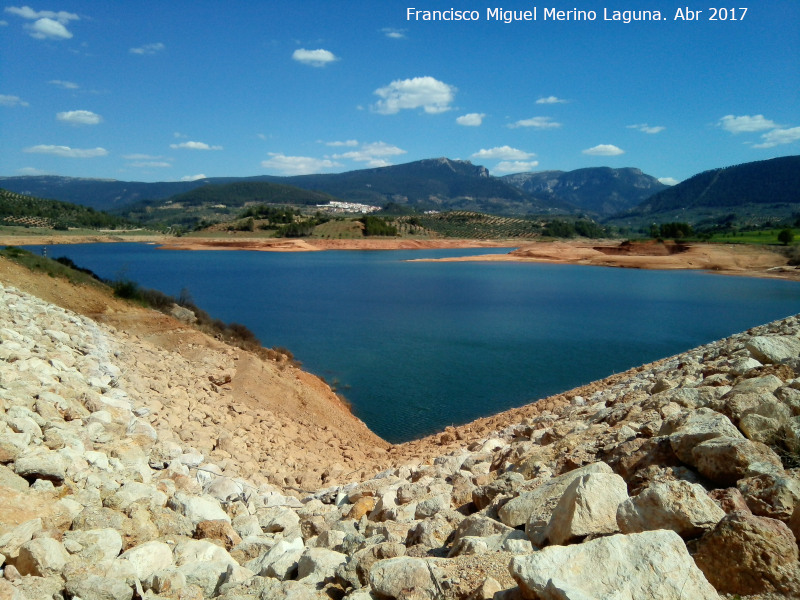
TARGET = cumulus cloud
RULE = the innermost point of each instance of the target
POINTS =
(12, 101)
(26, 12)
(746, 123)
(150, 164)
(148, 49)
(515, 166)
(430, 94)
(30, 171)
(314, 58)
(193, 177)
(297, 165)
(395, 34)
(48, 29)
(346, 143)
(668, 180)
(471, 119)
(142, 157)
(147, 161)
(645, 128)
(536, 123)
(604, 150)
(67, 85)
(79, 117)
(550, 100)
(66, 151)
(47, 24)
(375, 154)
(194, 146)
(777, 137)
(502, 153)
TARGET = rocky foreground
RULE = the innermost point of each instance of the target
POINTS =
(675, 483)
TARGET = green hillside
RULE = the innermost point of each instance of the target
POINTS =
(28, 211)
(756, 194)
(220, 202)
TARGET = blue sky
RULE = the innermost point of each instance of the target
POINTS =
(164, 91)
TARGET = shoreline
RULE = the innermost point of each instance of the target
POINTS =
(723, 259)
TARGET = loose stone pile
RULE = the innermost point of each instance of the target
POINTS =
(667, 485)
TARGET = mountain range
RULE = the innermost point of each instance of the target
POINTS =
(625, 196)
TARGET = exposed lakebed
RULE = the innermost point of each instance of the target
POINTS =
(417, 346)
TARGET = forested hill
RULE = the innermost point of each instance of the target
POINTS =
(599, 190)
(774, 181)
(435, 183)
(16, 209)
(240, 193)
(101, 194)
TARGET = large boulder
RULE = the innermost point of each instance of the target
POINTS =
(404, 578)
(41, 557)
(686, 430)
(653, 565)
(746, 554)
(773, 348)
(588, 507)
(148, 558)
(725, 460)
(680, 506)
(537, 504)
(198, 508)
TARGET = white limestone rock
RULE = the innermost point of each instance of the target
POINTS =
(588, 507)
(680, 506)
(653, 565)
(198, 508)
(147, 558)
(773, 348)
(405, 577)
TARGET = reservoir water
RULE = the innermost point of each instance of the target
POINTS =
(418, 346)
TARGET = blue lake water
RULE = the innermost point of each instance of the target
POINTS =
(417, 346)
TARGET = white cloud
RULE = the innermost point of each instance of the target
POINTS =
(550, 100)
(297, 165)
(79, 117)
(746, 123)
(3, 23)
(536, 123)
(179, 135)
(314, 58)
(515, 166)
(67, 85)
(502, 153)
(193, 177)
(148, 49)
(194, 146)
(12, 101)
(604, 150)
(395, 34)
(66, 151)
(471, 119)
(432, 95)
(47, 24)
(148, 164)
(778, 137)
(645, 128)
(374, 154)
(142, 157)
(346, 143)
(668, 180)
(26, 12)
(48, 29)
(30, 171)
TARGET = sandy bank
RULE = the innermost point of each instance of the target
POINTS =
(726, 259)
